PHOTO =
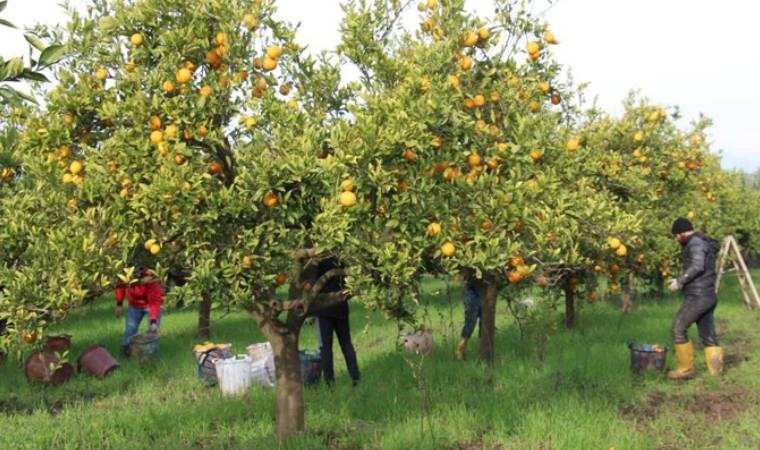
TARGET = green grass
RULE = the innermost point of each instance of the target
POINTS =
(583, 396)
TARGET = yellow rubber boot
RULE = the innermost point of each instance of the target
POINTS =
(461, 348)
(714, 359)
(685, 359)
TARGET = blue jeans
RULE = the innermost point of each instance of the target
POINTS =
(471, 309)
(132, 320)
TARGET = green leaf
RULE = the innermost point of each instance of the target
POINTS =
(51, 55)
(7, 24)
(13, 68)
(27, 97)
(32, 75)
(34, 41)
(9, 96)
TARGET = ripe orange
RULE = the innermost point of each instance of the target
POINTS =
(179, 160)
(479, 100)
(213, 59)
(533, 47)
(465, 63)
(447, 249)
(473, 160)
(347, 199)
(572, 145)
(154, 123)
(205, 91)
(101, 74)
(171, 132)
(155, 249)
(433, 228)
(483, 34)
(281, 279)
(168, 87)
(30, 337)
(269, 64)
(184, 76)
(409, 155)
(156, 137)
(274, 51)
(347, 185)
(247, 262)
(270, 200)
(136, 39)
(470, 39)
(549, 38)
(614, 243)
(536, 154)
(514, 276)
(215, 167)
(250, 21)
(76, 167)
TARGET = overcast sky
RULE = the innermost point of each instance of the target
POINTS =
(701, 55)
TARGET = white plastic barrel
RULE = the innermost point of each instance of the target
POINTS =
(259, 351)
(262, 371)
(234, 374)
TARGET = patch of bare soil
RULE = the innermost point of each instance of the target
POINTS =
(648, 410)
(721, 405)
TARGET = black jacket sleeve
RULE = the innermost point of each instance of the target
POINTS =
(695, 257)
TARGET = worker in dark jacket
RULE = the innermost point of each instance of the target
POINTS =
(335, 319)
(697, 281)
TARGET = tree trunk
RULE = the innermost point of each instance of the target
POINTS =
(290, 404)
(488, 292)
(569, 305)
(204, 318)
(626, 297)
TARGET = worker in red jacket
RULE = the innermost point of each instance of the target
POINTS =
(145, 296)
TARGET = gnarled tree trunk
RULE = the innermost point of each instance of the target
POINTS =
(290, 403)
(488, 291)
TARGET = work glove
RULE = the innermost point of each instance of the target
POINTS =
(117, 311)
(674, 285)
(153, 329)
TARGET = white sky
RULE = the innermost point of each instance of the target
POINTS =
(701, 55)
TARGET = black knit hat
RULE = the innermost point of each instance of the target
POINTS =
(680, 225)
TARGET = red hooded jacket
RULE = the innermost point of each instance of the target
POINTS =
(145, 294)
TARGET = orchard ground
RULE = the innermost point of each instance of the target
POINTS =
(583, 395)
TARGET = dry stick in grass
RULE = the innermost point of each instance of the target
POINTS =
(425, 400)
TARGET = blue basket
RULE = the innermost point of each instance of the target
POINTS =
(311, 366)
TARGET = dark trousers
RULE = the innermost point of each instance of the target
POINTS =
(700, 310)
(340, 326)
(472, 305)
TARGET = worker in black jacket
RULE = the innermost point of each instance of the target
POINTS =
(335, 319)
(697, 281)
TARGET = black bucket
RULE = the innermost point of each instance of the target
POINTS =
(646, 357)
(311, 366)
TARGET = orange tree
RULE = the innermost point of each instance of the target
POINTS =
(464, 155)
(192, 137)
(654, 168)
